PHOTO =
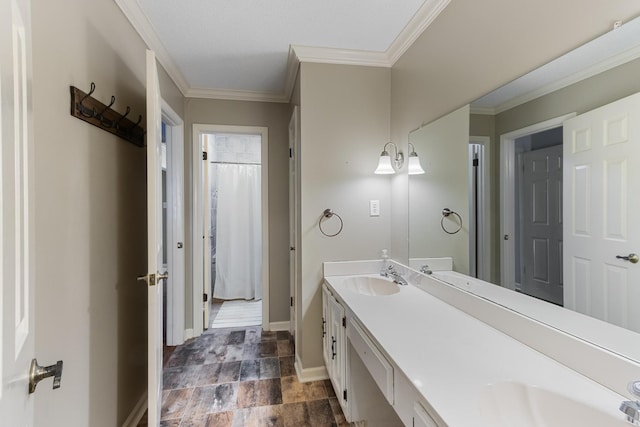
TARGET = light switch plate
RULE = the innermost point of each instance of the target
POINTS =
(374, 207)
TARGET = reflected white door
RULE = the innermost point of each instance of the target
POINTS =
(154, 241)
(207, 239)
(601, 175)
(16, 216)
(293, 135)
(542, 224)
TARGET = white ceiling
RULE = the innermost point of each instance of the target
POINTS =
(239, 49)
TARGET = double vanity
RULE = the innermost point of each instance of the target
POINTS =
(398, 355)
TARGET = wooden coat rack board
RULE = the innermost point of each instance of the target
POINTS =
(87, 108)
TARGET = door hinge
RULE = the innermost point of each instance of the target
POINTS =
(205, 297)
(344, 395)
(291, 301)
(291, 153)
(204, 155)
(344, 322)
(476, 162)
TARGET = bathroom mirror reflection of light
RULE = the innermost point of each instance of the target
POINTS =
(509, 211)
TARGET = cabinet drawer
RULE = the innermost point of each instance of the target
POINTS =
(380, 369)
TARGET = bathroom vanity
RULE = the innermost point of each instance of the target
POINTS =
(432, 364)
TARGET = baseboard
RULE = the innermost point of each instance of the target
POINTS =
(310, 374)
(188, 334)
(138, 412)
(279, 326)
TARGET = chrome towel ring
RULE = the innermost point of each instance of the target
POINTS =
(446, 212)
(328, 213)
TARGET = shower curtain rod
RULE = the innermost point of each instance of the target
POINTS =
(235, 163)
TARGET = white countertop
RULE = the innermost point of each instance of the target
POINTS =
(451, 357)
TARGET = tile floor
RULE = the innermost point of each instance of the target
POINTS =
(240, 377)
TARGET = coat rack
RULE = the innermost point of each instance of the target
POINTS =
(87, 108)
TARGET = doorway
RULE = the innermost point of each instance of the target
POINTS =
(230, 226)
(234, 222)
(531, 210)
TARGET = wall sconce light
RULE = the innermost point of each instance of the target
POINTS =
(415, 168)
(384, 164)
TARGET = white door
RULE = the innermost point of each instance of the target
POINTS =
(293, 134)
(601, 175)
(16, 215)
(154, 241)
(206, 241)
(542, 224)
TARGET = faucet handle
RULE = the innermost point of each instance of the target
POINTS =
(634, 388)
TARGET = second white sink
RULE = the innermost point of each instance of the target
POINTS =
(512, 404)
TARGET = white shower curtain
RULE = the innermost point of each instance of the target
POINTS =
(238, 233)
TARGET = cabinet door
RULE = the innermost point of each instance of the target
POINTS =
(421, 418)
(338, 349)
(326, 334)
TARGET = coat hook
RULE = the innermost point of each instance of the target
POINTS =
(132, 128)
(100, 115)
(126, 113)
(83, 110)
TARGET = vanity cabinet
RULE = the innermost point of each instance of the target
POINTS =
(334, 346)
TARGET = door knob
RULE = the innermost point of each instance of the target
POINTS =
(37, 373)
(506, 237)
(161, 276)
(632, 258)
(179, 245)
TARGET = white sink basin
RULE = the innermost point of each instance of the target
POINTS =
(373, 286)
(511, 404)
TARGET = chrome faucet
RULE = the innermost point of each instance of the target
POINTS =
(425, 269)
(391, 273)
(631, 408)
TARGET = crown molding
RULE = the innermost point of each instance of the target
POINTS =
(236, 95)
(427, 13)
(485, 111)
(595, 69)
(327, 55)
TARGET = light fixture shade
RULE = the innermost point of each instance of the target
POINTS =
(384, 165)
(415, 168)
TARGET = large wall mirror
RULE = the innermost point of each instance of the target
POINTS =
(544, 173)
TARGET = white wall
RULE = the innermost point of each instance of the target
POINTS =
(90, 215)
(344, 125)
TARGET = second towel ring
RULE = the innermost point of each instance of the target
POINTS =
(328, 213)
(447, 212)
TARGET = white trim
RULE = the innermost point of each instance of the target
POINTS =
(188, 334)
(197, 223)
(485, 205)
(595, 69)
(507, 194)
(137, 413)
(279, 326)
(236, 95)
(485, 111)
(326, 55)
(141, 24)
(175, 226)
(310, 374)
(427, 13)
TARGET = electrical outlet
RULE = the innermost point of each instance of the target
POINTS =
(374, 207)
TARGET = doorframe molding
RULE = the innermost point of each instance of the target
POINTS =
(507, 194)
(197, 224)
(175, 227)
(485, 204)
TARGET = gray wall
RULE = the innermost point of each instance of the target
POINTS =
(274, 116)
(90, 215)
(344, 125)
